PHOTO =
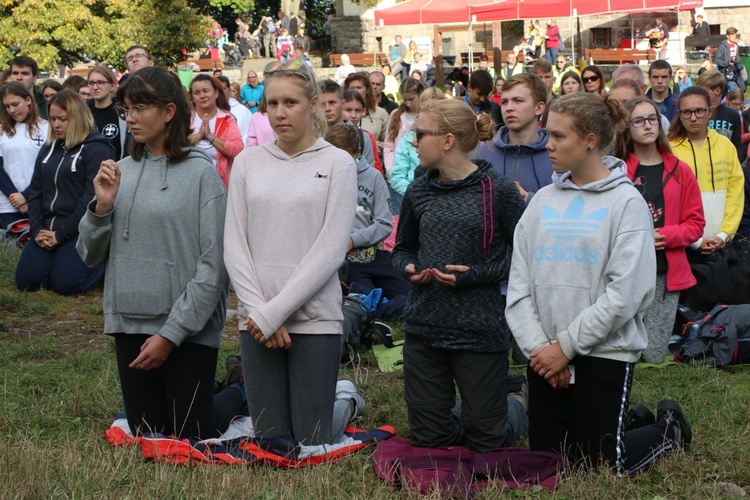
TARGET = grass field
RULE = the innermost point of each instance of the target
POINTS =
(59, 391)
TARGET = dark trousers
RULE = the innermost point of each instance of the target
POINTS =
(60, 269)
(430, 377)
(379, 274)
(585, 421)
(178, 397)
(290, 392)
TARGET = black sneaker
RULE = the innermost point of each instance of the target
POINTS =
(671, 412)
(638, 416)
(234, 374)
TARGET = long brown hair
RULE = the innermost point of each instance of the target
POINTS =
(677, 130)
(370, 103)
(222, 102)
(408, 86)
(7, 123)
(624, 145)
(158, 87)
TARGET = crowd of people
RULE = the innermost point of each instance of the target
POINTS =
(540, 215)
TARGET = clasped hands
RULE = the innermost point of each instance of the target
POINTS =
(426, 275)
(46, 239)
(280, 338)
(551, 363)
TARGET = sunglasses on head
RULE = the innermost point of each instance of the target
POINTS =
(291, 65)
(587, 79)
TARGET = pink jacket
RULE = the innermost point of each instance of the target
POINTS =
(227, 129)
(683, 217)
(389, 147)
(260, 130)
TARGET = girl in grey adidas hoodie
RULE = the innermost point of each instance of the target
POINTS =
(582, 275)
(289, 219)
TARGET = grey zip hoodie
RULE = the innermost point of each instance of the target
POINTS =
(373, 221)
(163, 247)
(583, 268)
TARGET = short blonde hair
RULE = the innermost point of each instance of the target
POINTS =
(80, 120)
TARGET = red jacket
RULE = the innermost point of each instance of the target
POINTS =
(227, 129)
(683, 217)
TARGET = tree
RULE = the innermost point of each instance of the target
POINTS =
(67, 31)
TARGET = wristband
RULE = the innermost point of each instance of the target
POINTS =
(212, 140)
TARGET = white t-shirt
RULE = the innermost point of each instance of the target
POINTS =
(19, 155)
(207, 147)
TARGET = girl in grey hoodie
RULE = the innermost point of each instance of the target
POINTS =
(582, 276)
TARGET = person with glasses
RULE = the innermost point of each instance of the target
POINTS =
(157, 223)
(445, 214)
(252, 91)
(736, 101)
(61, 188)
(561, 67)
(137, 57)
(674, 200)
(581, 277)
(50, 88)
(22, 134)
(289, 222)
(713, 160)
(214, 128)
(593, 80)
(102, 84)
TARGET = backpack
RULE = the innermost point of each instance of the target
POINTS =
(724, 278)
(720, 338)
(357, 321)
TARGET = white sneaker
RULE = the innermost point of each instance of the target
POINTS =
(347, 389)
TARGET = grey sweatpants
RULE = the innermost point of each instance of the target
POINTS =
(659, 321)
(291, 392)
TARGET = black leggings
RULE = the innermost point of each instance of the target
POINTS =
(178, 397)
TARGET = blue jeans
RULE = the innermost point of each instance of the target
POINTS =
(551, 56)
(60, 269)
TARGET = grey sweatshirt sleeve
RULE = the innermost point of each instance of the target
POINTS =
(630, 274)
(193, 309)
(520, 311)
(323, 259)
(93, 238)
(381, 223)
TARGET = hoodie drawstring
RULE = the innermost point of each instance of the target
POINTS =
(487, 242)
(710, 159)
(126, 233)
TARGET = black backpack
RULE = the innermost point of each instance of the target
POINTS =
(724, 278)
(720, 338)
(359, 327)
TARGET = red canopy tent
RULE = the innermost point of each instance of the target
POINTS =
(536, 9)
(429, 12)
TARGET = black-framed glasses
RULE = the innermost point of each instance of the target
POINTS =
(587, 79)
(135, 111)
(640, 121)
(135, 56)
(97, 83)
(419, 133)
(698, 112)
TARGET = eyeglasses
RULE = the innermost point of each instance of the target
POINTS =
(698, 112)
(419, 133)
(560, 62)
(84, 94)
(135, 111)
(587, 79)
(135, 56)
(640, 121)
(97, 83)
(292, 65)
(252, 76)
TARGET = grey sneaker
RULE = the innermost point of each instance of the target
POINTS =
(347, 389)
(671, 412)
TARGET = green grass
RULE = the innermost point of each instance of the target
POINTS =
(59, 390)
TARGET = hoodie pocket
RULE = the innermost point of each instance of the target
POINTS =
(145, 287)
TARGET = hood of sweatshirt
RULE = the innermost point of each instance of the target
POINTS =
(362, 164)
(618, 174)
(502, 140)
(476, 177)
(274, 150)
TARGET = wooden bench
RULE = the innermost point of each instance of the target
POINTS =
(378, 59)
(205, 64)
(620, 56)
(490, 57)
